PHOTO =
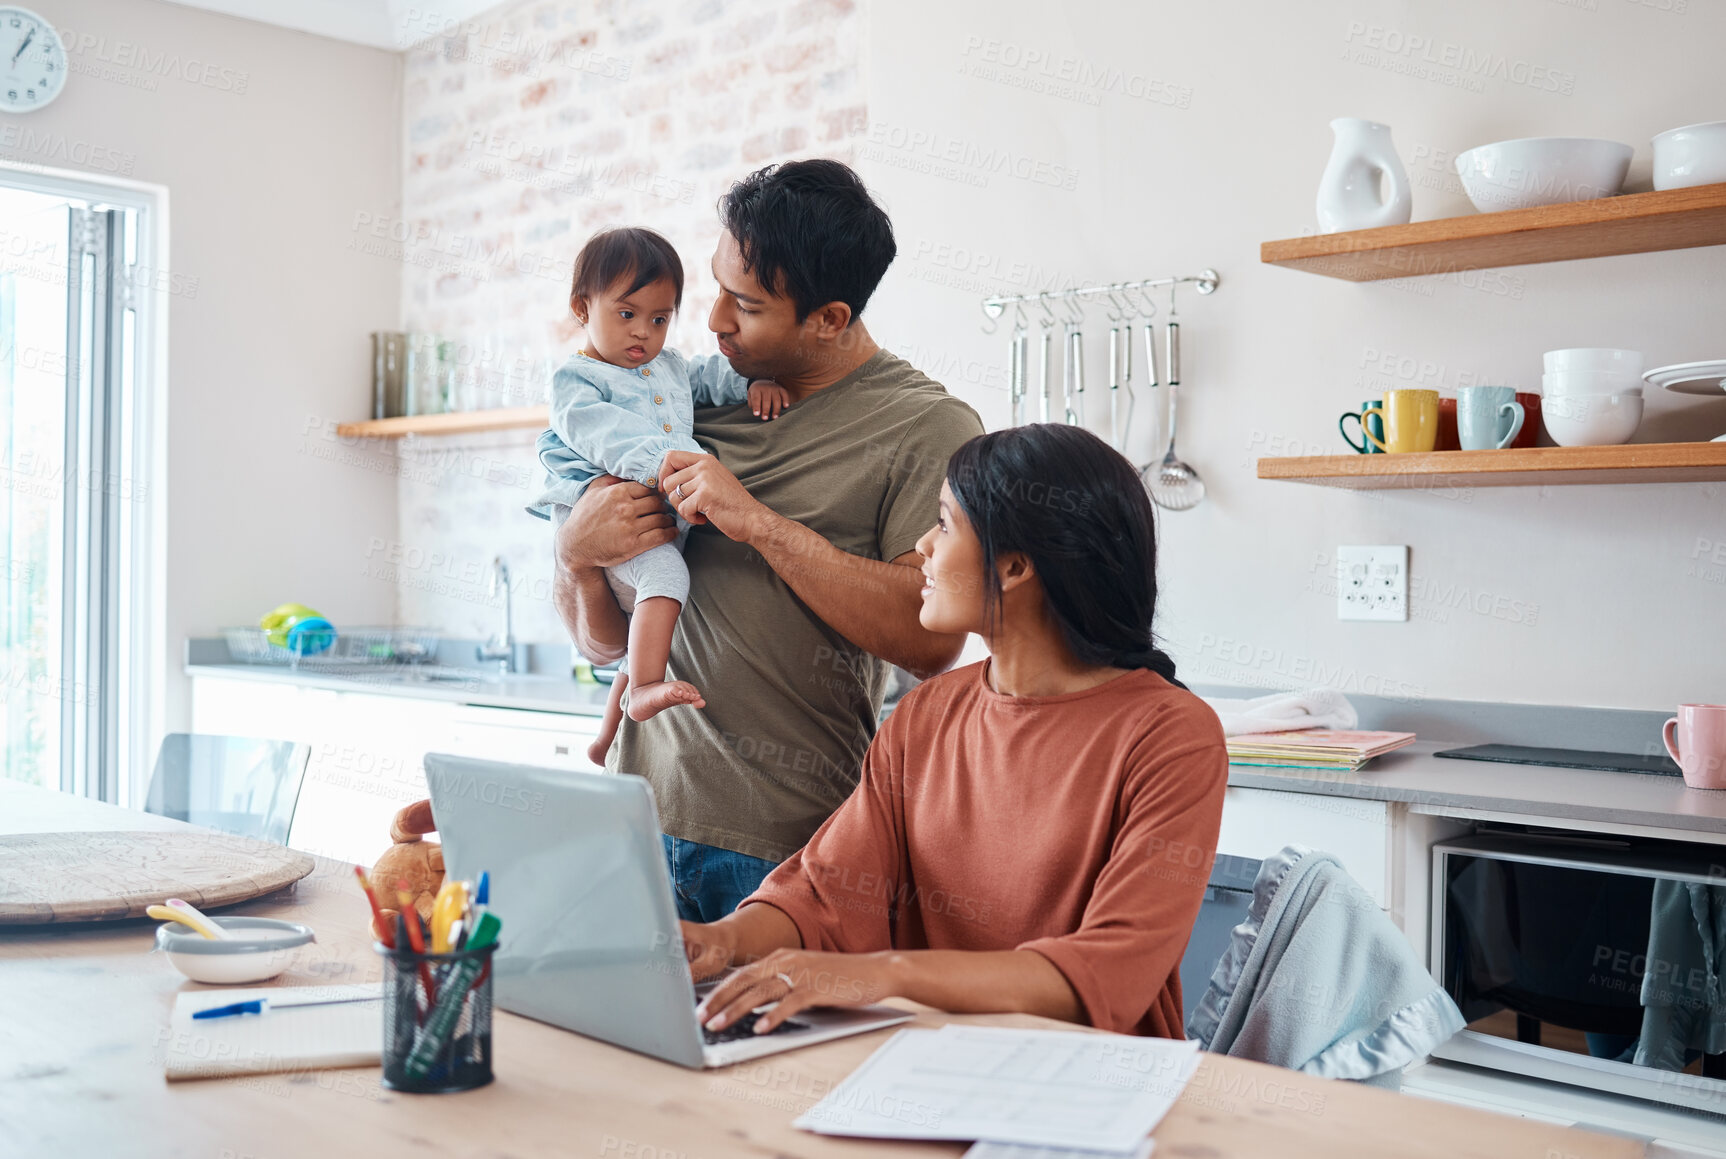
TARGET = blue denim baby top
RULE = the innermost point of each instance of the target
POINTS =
(610, 420)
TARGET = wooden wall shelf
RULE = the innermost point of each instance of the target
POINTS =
(465, 422)
(1441, 470)
(1632, 224)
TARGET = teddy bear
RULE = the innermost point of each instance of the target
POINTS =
(410, 859)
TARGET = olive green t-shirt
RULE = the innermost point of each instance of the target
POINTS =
(791, 705)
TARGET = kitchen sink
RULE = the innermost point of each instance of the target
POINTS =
(447, 675)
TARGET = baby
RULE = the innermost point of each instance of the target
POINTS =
(617, 408)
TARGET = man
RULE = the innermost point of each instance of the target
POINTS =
(804, 578)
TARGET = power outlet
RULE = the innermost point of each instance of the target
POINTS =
(1372, 583)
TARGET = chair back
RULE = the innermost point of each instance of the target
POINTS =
(234, 784)
(1319, 979)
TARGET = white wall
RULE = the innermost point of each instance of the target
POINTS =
(269, 142)
(1585, 595)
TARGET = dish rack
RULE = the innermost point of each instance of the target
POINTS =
(334, 648)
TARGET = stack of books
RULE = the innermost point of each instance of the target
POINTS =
(1345, 750)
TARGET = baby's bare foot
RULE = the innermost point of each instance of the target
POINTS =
(597, 750)
(647, 701)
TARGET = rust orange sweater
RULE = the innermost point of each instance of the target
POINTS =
(1080, 826)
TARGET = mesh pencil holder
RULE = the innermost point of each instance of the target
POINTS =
(437, 1042)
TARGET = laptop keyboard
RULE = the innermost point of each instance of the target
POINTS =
(745, 1028)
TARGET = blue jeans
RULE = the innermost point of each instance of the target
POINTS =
(709, 882)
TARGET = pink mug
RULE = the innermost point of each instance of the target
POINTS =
(1701, 739)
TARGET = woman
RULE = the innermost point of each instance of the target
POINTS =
(1032, 833)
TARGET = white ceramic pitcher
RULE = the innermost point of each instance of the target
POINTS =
(1349, 194)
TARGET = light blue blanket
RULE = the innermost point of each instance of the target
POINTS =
(1684, 985)
(1319, 979)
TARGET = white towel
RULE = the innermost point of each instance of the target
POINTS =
(1282, 711)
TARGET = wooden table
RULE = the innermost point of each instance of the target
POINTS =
(86, 1007)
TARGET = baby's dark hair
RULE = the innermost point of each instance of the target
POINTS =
(611, 255)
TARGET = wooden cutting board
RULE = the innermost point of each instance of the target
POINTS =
(97, 876)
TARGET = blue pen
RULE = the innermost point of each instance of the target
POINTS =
(255, 1006)
(259, 1005)
(476, 906)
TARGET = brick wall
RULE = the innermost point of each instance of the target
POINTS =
(524, 131)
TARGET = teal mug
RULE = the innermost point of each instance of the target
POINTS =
(1488, 418)
(1372, 425)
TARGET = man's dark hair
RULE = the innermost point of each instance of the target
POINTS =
(809, 231)
(611, 255)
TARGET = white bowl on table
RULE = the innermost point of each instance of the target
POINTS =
(1533, 171)
(1692, 155)
(261, 949)
(1594, 358)
(1569, 382)
(1591, 420)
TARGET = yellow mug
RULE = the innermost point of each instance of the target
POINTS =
(1410, 419)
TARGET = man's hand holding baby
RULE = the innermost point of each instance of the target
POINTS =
(613, 521)
(703, 491)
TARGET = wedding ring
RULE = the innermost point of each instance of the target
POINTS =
(786, 978)
(678, 490)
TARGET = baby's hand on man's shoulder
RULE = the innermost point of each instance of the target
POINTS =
(767, 398)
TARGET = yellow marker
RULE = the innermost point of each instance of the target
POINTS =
(450, 904)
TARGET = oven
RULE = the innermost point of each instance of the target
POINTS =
(1594, 961)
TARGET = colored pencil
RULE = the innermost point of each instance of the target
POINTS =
(385, 935)
(416, 938)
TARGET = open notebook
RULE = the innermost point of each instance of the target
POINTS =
(291, 1038)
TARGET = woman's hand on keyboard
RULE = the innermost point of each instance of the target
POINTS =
(795, 980)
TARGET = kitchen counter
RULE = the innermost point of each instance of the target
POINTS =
(1411, 776)
(534, 692)
(1591, 798)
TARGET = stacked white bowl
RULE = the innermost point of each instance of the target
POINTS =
(1591, 396)
(1534, 171)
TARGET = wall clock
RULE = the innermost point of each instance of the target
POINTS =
(32, 60)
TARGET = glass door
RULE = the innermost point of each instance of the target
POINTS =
(35, 229)
(71, 489)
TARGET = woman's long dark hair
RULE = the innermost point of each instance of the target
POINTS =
(1076, 508)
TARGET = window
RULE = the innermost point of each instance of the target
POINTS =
(76, 503)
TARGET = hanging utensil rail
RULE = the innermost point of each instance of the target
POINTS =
(1205, 281)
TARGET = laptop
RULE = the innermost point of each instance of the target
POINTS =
(590, 937)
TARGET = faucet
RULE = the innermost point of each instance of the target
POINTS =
(500, 647)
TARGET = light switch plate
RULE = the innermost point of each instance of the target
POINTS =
(1372, 583)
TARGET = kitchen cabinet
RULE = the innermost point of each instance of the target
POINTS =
(1385, 845)
(546, 739)
(1258, 822)
(368, 749)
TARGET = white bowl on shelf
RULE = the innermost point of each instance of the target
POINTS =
(1573, 382)
(1594, 358)
(1692, 155)
(1591, 420)
(1534, 171)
